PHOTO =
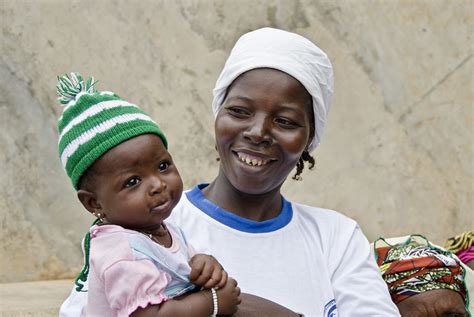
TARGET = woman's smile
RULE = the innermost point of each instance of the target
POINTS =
(253, 159)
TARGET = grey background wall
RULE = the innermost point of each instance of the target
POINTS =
(397, 154)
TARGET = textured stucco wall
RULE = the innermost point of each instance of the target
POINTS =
(397, 154)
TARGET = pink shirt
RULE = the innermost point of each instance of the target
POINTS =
(128, 270)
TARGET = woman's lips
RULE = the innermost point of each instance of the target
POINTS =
(253, 159)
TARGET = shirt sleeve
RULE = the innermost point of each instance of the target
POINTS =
(358, 285)
(132, 284)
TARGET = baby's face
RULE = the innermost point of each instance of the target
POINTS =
(137, 183)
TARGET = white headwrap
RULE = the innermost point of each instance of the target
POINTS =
(287, 52)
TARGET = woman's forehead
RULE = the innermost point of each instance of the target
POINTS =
(266, 72)
(268, 81)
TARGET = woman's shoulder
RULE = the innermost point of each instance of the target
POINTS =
(324, 214)
(333, 231)
(323, 218)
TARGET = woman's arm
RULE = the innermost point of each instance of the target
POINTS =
(192, 305)
(254, 306)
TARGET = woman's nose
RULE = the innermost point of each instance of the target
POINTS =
(259, 131)
(157, 185)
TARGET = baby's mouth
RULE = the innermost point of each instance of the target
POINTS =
(160, 207)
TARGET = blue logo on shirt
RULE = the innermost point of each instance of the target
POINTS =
(330, 309)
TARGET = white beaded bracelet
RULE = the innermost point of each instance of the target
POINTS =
(215, 304)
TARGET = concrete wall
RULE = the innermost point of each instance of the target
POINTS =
(397, 154)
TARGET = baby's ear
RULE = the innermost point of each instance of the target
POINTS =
(88, 200)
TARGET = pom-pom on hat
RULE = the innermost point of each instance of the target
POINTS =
(93, 122)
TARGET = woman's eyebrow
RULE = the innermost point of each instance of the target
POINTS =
(244, 98)
(286, 106)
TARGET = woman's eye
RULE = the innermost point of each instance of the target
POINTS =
(132, 182)
(285, 123)
(238, 112)
(163, 166)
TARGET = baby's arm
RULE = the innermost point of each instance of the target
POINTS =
(196, 304)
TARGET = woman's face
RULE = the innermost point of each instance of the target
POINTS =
(262, 129)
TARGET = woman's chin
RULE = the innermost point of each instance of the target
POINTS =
(255, 185)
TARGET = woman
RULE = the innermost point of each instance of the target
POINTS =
(271, 102)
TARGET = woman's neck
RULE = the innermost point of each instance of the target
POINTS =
(256, 207)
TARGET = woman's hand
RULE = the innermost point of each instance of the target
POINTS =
(207, 272)
(228, 297)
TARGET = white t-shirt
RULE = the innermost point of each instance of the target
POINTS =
(311, 260)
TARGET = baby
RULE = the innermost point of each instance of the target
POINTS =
(136, 263)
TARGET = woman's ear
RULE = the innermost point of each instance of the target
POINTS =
(89, 201)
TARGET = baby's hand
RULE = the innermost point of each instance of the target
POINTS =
(207, 272)
(228, 297)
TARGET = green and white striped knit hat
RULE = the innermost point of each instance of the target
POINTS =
(93, 122)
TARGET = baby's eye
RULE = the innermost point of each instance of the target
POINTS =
(163, 166)
(132, 182)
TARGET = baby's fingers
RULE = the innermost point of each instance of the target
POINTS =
(197, 266)
(205, 277)
(215, 279)
(223, 280)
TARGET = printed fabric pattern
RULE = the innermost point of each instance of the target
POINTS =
(462, 246)
(412, 267)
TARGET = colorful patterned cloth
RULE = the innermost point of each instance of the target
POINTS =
(462, 246)
(415, 266)
(466, 255)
